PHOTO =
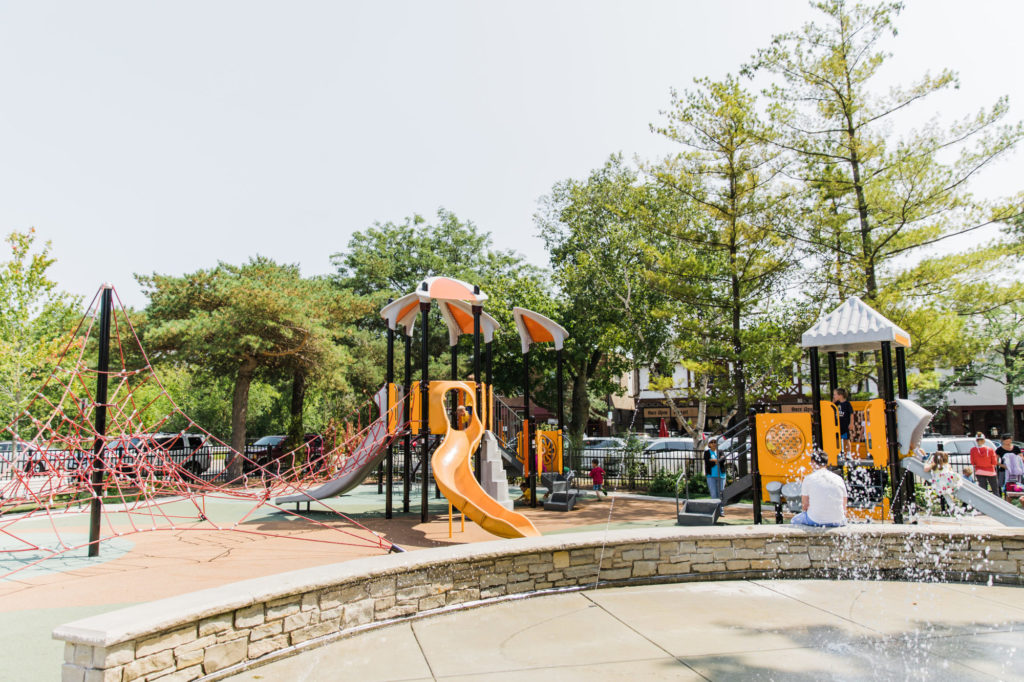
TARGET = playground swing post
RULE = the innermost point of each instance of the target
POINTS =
(98, 467)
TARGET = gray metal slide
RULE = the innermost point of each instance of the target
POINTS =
(360, 463)
(982, 500)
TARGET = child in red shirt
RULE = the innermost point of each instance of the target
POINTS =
(597, 476)
(985, 462)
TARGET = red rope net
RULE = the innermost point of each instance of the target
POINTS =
(148, 475)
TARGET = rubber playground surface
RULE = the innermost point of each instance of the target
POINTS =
(145, 566)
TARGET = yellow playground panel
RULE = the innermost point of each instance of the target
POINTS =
(867, 432)
(785, 443)
(547, 445)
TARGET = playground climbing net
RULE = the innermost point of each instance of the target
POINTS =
(152, 468)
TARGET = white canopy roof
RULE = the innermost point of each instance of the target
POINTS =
(854, 326)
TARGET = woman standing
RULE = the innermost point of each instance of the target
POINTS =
(985, 463)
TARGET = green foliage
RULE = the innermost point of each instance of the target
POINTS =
(725, 262)
(593, 230)
(36, 320)
(233, 321)
(879, 205)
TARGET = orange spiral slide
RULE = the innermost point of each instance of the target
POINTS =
(454, 476)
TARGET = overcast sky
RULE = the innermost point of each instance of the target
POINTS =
(146, 136)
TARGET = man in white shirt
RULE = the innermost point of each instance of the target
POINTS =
(823, 494)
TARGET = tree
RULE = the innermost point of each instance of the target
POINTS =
(880, 202)
(726, 261)
(36, 322)
(594, 230)
(235, 320)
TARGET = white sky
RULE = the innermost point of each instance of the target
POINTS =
(143, 137)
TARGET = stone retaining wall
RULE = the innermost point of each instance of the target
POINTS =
(217, 632)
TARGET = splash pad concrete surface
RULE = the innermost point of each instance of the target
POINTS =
(755, 621)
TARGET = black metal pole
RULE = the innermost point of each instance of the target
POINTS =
(815, 398)
(531, 456)
(407, 454)
(454, 412)
(558, 380)
(490, 384)
(477, 311)
(390, 379)
(901, 372)
(833, 373)
(424, 406)
(755, 470)
(98, 467)
(890, 433)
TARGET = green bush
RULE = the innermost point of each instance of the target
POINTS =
(664, 485)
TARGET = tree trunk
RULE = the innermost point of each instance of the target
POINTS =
(296, 432)
(239, 413)
(580, 407)
(1011, 422)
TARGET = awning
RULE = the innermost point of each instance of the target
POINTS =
(854, 326)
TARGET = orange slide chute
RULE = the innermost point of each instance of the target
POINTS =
(454, 477)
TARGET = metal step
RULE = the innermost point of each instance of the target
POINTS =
(713, 507)
(737, 488)
(687, 519)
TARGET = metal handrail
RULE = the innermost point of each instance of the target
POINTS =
(680, 476)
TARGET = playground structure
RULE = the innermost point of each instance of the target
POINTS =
(434, 412)
(88, 456)
(879, 459)
(882, 430)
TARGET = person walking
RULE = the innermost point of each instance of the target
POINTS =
(714, 470)
(985, 463)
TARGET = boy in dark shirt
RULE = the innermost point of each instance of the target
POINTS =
(841, 397)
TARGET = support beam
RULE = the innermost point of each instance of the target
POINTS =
(407, 442)
(531, 454)
(425, 407)
(896, 478)
(833, 373)
(98, 461)
(390, 379)
(815, 397)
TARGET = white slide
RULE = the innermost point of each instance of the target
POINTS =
(360, 463)
(982, 500)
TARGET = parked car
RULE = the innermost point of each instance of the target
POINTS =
(958, 447)
(158, 453)
(267, 451)
(603, 443)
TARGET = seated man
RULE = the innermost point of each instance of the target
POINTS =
(823, 494)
